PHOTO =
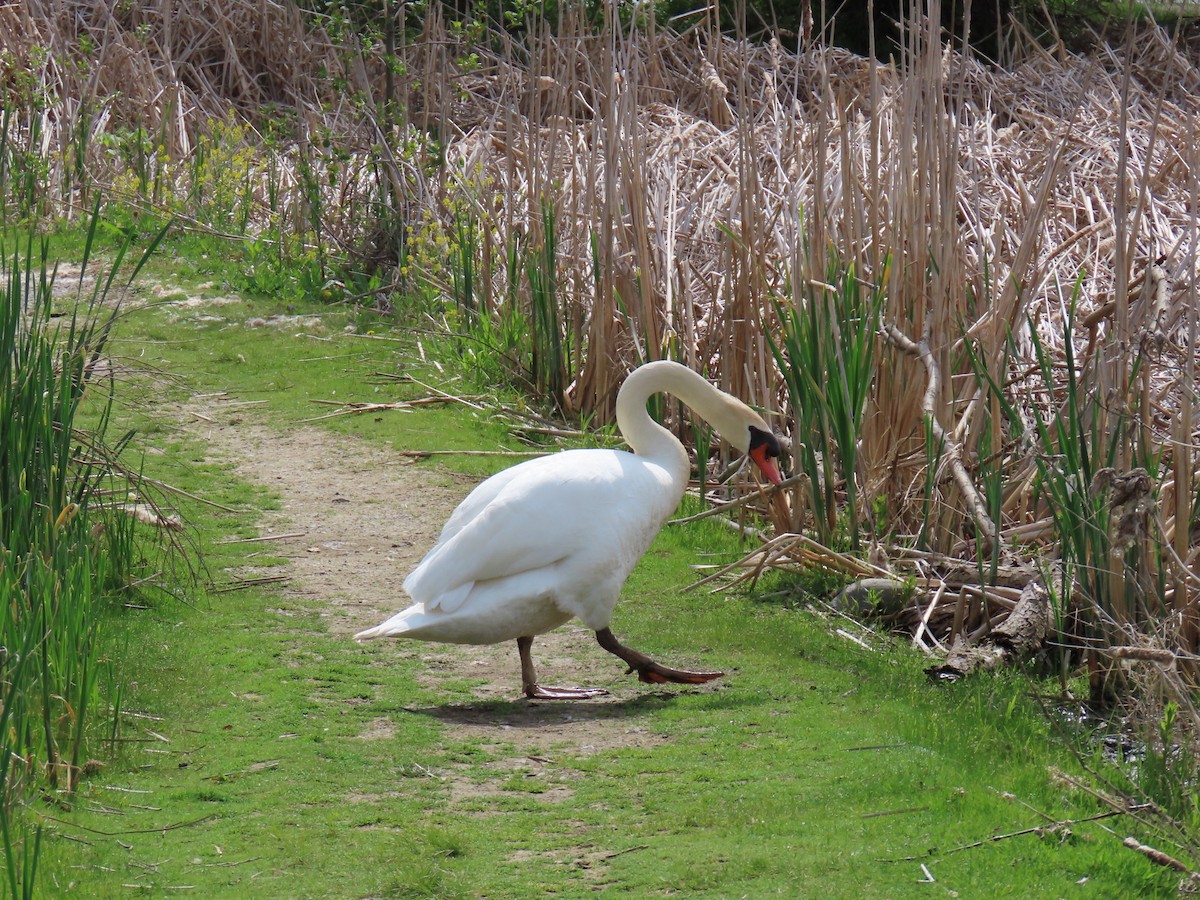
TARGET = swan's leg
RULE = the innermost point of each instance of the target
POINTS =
(648, 670)
(535, 691)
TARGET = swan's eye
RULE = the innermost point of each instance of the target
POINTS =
(760, 438)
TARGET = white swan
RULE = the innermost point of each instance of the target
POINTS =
(556, 537)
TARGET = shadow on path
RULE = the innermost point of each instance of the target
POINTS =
(522, 713)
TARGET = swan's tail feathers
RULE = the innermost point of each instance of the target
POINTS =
(396, 625)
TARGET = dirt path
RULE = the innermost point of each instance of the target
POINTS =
(363, 517)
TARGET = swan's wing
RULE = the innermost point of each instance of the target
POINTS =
(472, 505)
(499, 541)
(480, 498)
(570, 503)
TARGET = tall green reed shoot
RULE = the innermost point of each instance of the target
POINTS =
(55, 561)
(1072, 445)
(992, 467)
(493, 340)
(550, 359)
(75, 178)
(828, 359)
(463, 264)
(23, 169)
(20, 847)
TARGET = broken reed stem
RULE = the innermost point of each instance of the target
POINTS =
(264, 538)
(251, 582)
(950, 448)
(1052, 828)
(796, 549)
(1160, 858)
(764, 492)
(423, 454)
(358, 409)
(160, 830)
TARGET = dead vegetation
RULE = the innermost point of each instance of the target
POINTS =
(629, 193)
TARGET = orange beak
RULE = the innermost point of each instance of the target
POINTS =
(766, 464)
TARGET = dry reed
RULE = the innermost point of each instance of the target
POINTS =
(688, 182)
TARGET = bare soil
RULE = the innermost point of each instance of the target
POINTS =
(354, 518)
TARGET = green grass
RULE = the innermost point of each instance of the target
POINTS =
(66, 548)
(816, 767)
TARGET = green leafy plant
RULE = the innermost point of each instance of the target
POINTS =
(1073, 436)
(59, 539)
(551, 356)
(827, 357)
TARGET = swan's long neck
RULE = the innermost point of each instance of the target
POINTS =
(649, 439)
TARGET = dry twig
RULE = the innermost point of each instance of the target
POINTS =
(950, 449)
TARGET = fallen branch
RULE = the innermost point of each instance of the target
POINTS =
(249, 583)
(1054, 827)
(359, 408)
(1018, 637)
(895, 812)
(164, 828)
(167, 487)
(265, 537)
(229, 865)
(841, 632)
(1159, 655)
(718, 508)
(959, 572)
(798, 550)
(355, 409)
(1160, 858)
(953, 453)
(450, 398)
(424, 454)
(632, 849)
(1061, 827)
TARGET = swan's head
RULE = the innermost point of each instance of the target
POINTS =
(733, 420)
(764, 450)
(748, 433)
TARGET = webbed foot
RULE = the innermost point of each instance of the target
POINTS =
(535, 691)
(648, 670)
(538, 692)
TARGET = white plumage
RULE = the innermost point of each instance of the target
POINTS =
(556, 537)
